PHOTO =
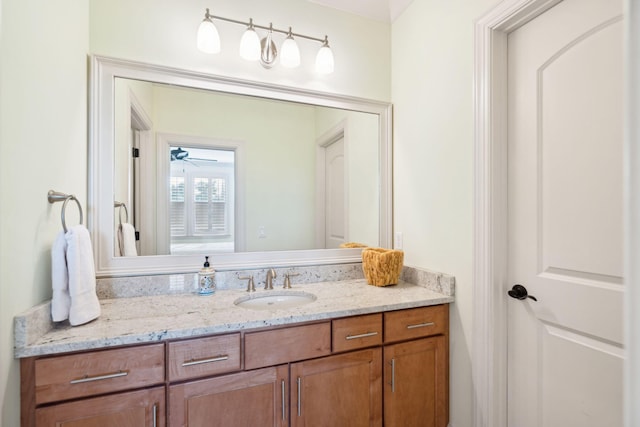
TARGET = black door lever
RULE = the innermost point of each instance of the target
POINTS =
(520, 292)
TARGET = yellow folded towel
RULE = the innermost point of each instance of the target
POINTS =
(382, 267)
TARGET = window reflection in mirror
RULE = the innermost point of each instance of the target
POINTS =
(201, 202)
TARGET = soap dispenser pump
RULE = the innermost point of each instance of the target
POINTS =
(206, 279)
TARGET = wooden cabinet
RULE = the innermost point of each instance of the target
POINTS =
(416, 371)
(142, 408)
(201, 357)
(352, 333)
(415, 383)
(340, 390)
(273, 347)
(252, 398)
(344, 389)
(49, 386)
(375, 369)
(416, 323)
(98, 372)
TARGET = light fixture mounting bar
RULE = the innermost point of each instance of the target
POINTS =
(264, 27)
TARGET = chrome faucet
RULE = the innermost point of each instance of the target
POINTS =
(271, 274)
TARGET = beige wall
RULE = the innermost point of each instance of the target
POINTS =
(43, 114)
(43, 108)
(43, 145)
(432, 69)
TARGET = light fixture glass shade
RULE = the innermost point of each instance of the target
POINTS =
(208, 40)
(289, 53)
(324, 60)
(250, 44)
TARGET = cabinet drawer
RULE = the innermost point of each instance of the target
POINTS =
(141, 408)
(88, 374)
(415, 323)
(269, 348)
(356, 332)
(204, 356)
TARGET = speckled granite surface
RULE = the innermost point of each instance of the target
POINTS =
(156, 317)
(126, 287)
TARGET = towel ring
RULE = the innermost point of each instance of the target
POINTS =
(55, 196)
(126, 212)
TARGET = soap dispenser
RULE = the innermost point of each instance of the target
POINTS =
(206, 279)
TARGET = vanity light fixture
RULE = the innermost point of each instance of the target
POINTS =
(252, 48)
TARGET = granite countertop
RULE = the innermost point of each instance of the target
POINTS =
(146, 319)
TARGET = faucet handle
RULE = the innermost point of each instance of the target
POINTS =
(287, 280)
(251, 287)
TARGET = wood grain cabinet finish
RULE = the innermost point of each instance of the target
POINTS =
(377, 369)
(415, 323)
(340, 390)
(142, 408)
(98, 372)
(201, 357)
(253, 398)
(356, 332)
(416, 383)
(277, 346)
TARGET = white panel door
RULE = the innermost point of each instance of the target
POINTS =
(335, 205)
(565, 352)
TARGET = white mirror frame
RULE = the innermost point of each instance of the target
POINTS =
(104, 70)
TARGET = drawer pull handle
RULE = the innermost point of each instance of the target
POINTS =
(393, 375)
(368, 334)
(299, 381)
(88, 379)
(283, 401)
(155, 415)
(193, 362)
(420, 325)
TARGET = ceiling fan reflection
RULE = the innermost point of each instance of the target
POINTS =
(181, 154)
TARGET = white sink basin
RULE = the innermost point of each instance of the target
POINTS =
(275, 300)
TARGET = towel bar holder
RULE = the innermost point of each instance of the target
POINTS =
(126, 212)
(56, 196)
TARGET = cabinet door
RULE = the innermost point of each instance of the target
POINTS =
(341, 390)
(252, 398)
(415, 383)
(132, 409)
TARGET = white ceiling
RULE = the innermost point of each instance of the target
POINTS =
(381, 10)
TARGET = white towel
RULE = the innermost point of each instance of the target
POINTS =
(127, 240)
(61, 301)
(81, 278)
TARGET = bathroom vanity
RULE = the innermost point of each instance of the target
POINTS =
(358, 355)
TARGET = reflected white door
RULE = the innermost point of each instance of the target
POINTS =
(334, 194)
(565, 217)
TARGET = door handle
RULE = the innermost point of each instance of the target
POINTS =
(520, 292)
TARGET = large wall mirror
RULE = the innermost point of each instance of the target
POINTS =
(185, 164)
